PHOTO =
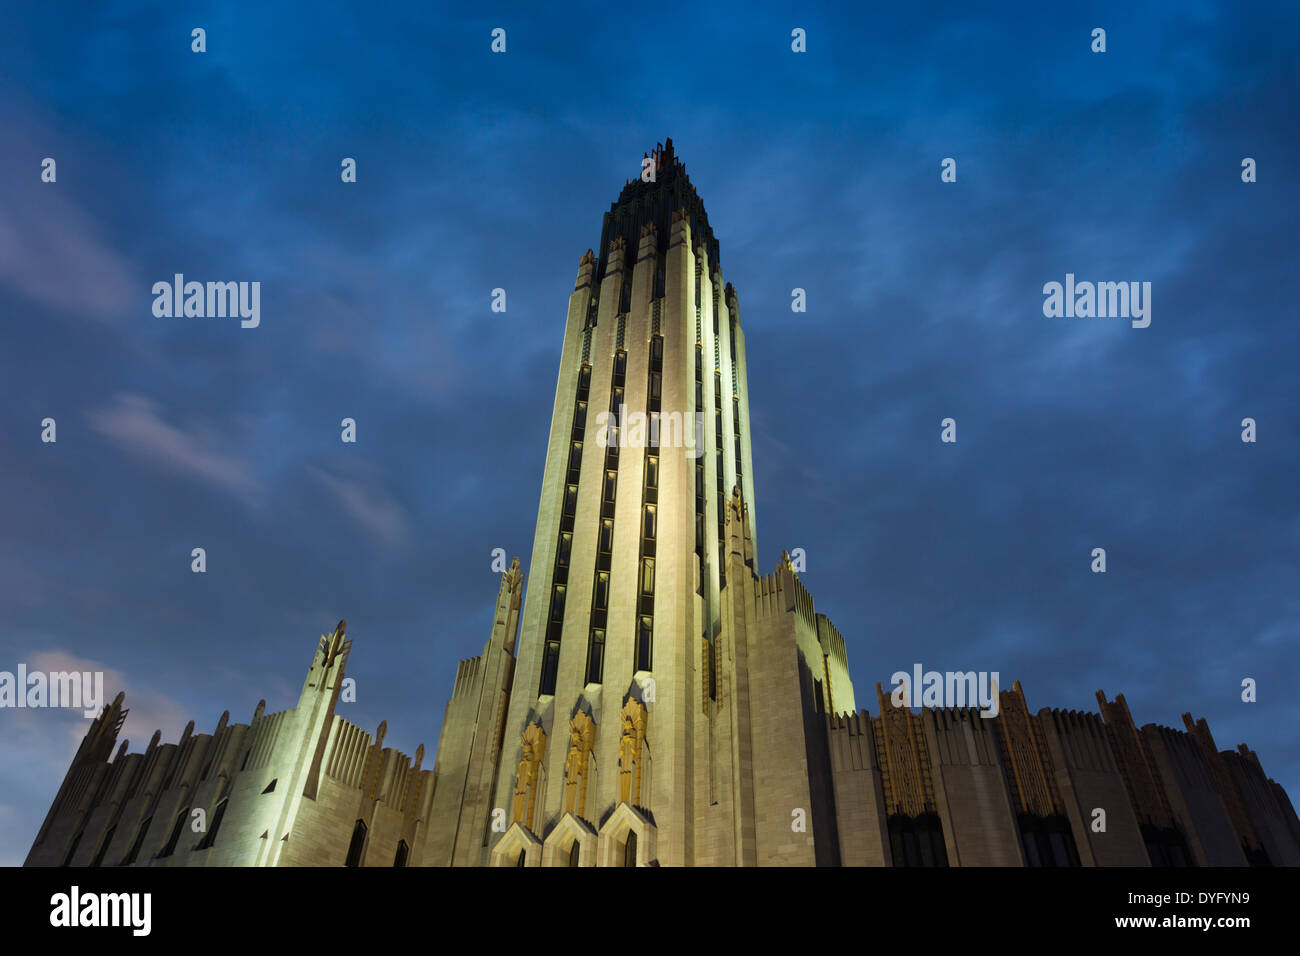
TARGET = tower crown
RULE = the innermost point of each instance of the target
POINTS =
(644, 203)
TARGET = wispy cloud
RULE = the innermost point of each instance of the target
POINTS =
(51, 250)
(373, 508)
(135, 426)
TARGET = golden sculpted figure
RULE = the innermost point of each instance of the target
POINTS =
(528, 774)
(582, 734)
(630, 747)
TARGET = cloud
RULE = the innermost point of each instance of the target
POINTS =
(373, 509)
(134, 425)
(51, 252)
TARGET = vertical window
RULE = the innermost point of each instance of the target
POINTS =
(644, 635)
(652, 471)
(648, 526)
(214, 825)
(566, 547)
(550, 666)
(170, 846)
(358, 845)
(573, 853)
(571, 500)
(607, 535)
(611, 481)
(403, 852)
(647, 576)
(103, 847)
(629, 850)
(138, 844)
(596, 655)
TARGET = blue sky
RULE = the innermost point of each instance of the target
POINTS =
(477, 171)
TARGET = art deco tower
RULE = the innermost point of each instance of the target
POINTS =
(626, 571)
(623, 642)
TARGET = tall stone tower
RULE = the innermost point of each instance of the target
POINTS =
(628, 705)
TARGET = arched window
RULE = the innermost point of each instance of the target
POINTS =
(629, 849)
(103, 847)
(214, 824)
(139, 842)
(358, 845)
(172, 840)
(523, 858)
(403, 851)
(574, 852)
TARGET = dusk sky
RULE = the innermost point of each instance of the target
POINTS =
(475, 171)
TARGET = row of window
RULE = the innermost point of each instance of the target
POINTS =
(177, 831)
(721, 483)
(357, 848)
(605, 547)
(643, 651)
(564, 547)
